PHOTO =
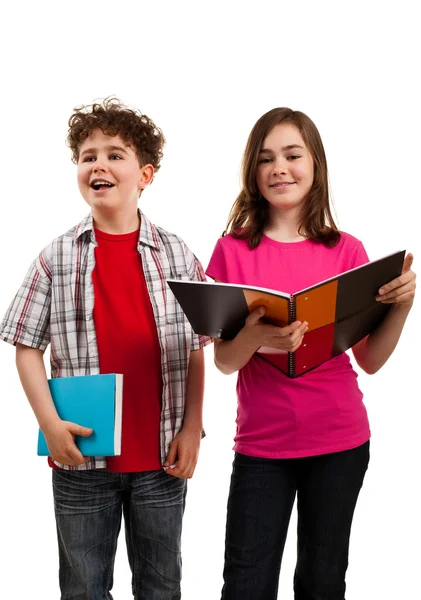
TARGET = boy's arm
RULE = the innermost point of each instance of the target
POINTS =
(58, 434)
(184, 449)
(374, 350)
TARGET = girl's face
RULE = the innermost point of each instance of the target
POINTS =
(285, 170)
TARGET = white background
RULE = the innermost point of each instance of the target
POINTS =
(205, 72)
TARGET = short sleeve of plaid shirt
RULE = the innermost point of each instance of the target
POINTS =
(196, 273)
(27, 320)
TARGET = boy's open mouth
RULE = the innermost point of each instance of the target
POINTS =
(101, 184)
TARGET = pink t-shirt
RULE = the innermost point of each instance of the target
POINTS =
(321, 411)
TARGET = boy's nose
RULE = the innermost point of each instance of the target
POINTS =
(98, 166)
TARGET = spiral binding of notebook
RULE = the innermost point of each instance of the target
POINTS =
(292, 316)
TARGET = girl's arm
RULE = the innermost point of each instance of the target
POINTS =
(230, 356)
(374, 350)
(58, 434)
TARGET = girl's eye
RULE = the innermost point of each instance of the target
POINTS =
(293, 157)
(264, 160)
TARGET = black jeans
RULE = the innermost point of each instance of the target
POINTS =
(260, 502)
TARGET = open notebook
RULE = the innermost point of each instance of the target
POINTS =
(340, 311)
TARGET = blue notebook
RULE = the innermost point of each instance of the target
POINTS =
(91, 401)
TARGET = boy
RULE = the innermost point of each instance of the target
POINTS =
(98, 294)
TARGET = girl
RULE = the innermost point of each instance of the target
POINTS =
(307, 436)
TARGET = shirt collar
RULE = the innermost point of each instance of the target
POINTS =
(148, 234)
(86, 225)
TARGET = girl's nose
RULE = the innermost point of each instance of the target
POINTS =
(280, 166)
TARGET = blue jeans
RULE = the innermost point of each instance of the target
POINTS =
(261, 498)
(88, 508)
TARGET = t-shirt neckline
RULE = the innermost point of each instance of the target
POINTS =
(116, 237)
(286, 245)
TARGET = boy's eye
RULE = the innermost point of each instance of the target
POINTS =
(88, 159)
(115, 157)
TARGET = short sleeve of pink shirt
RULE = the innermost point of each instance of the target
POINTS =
(320, 412)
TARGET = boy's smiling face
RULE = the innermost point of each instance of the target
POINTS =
(109, 175)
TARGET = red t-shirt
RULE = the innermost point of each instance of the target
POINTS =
(128, 343)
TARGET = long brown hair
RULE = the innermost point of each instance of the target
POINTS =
(249, 214)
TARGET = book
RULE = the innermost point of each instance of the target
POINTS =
(93, 401)
(340, 311)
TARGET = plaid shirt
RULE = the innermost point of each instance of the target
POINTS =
(55, 305)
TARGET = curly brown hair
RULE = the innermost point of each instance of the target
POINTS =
(114, 118)
(250, 212)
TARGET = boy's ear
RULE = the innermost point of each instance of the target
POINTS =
(147, 173)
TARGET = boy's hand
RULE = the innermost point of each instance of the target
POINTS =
(60, 438)
(287, 338)
(183, 454)
(402, 289)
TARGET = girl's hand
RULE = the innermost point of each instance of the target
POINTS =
(287, 338)
(402, 289)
